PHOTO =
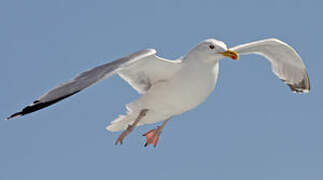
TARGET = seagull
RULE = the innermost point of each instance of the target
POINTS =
(172, 87)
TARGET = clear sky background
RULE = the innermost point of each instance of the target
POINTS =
(252, 127)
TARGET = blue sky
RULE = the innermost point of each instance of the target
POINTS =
(251, 127)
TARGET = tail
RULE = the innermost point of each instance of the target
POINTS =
(123, 121)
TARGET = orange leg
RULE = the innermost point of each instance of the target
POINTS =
(131, 127)
(152, 136)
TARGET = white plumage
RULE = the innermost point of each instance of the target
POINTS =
(170, 88)
(286, 63)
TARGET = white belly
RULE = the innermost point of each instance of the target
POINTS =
(183, 92)
(188, 89)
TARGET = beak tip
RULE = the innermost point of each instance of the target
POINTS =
(231, 54)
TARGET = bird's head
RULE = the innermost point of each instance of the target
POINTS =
(213, 49)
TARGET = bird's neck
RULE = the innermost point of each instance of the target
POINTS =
(194, 57)
(197, 64)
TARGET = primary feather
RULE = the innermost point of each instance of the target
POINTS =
(286, 63)
(140, 75)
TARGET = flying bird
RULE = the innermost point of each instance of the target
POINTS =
(172, 87)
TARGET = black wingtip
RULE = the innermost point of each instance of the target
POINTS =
(37, 105)
(18, 114)
(300, 87)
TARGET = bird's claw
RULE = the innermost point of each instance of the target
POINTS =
(152, 136)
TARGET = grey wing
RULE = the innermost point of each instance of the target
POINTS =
(286, 63)
(83, 81)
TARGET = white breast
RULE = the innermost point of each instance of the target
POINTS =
(196, 84)
(186, 90)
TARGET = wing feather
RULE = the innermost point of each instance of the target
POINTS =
(83, 80)
(149, 71)
(286, 63)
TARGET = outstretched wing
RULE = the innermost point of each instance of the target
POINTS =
(286, 63)
(144, 58)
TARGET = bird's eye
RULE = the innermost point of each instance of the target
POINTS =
(211, 46)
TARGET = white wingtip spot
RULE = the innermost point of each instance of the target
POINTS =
(306, 91)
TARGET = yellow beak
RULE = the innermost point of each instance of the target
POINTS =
(231, 54)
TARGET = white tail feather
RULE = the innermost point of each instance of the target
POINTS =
(123, 121)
